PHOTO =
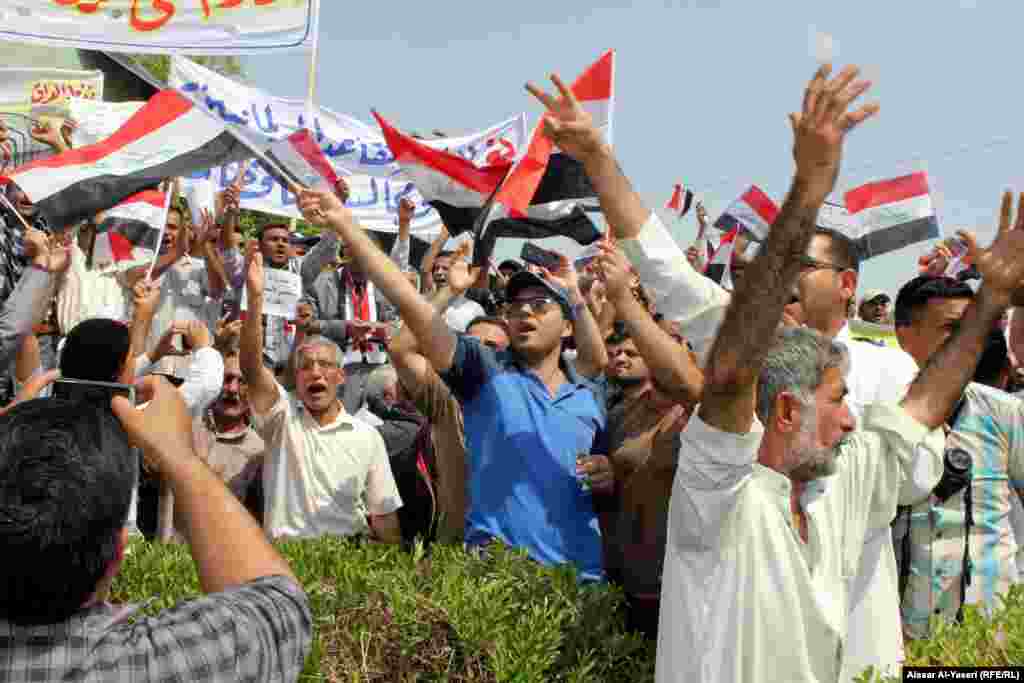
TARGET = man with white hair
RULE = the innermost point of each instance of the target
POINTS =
(325, 472)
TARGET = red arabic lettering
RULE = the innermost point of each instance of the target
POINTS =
(140, 24)
(83, 6)
(228, 4)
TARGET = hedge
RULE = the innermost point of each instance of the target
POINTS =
(384, 614)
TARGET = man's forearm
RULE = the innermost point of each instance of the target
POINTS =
(621, 205)
(421, 317)
(675, 370)
(937, 388)
(227, 545)
(753, 316)
(251, 343)
(591, 353)
(405, 341)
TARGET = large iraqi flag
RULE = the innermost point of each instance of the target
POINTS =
(167, 138)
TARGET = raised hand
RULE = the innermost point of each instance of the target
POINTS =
(197, 335)
(460, 275)
(406, 208)
(617, 275)
(1002, 264)
(341, 190)
(227, 333)
(254, 270)
(567, 123)
(564, 276)
(49, 133)
(702, 216)
(163, 430)
(821, 126)
(317, 205)
(145, 297)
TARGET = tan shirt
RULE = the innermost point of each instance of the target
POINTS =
(322, 480)
(435, 400)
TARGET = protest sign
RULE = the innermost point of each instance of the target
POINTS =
(282, 290)
(356, 150)
(227, 27)
(38, 91)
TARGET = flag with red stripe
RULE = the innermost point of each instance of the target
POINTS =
(131, 230)
(301, 160)
(595, 91)
(167, 138)
(719, 268)
(754, 211)
(681, 200)
(464, 193)
(893, 213)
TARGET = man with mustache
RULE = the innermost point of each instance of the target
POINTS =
(325, 472)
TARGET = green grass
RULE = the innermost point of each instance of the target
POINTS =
(382, 614)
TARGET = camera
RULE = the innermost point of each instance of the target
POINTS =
(956, 474)
(93, 392)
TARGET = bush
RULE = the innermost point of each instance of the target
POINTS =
(381, 614)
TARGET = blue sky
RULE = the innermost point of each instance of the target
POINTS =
(702, 88)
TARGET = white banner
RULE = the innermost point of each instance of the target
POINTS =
(25, 90)
(355, 149)
(208, 27)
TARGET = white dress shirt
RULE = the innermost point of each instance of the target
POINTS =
(743, 597)
(876, 374)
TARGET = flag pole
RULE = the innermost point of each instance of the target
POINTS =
(160, 238)
(311, 92)
(10, 206)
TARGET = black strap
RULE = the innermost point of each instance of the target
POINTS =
(967, 566)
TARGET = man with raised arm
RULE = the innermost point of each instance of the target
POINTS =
(529, 413)
(827, 281)
(762, 539)
(325, 472)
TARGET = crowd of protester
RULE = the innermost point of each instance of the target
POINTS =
(778, 499)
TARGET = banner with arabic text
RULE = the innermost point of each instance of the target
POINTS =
(208, 27)
(28, 90)
(356, 150)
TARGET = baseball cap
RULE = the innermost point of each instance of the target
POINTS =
(524, 279)
(873, 294)
(511, 264)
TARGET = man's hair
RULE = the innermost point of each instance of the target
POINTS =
(96, 350)
(66, 477)
(379, 379)
(618, 336)
(796, 364)
(488, 320)
(318, 341)
(842, 251)
(915, 295)
(272, 226)
(993, 361)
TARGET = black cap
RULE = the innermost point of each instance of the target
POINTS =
(524, 279)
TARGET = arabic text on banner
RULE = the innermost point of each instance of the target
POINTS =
(162, 26)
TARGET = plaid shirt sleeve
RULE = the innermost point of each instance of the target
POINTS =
(260, 631)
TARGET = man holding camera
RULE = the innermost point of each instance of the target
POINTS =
(984, 457)
(68, 470)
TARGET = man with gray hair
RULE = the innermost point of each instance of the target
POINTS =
(774, 495)
(325, 472)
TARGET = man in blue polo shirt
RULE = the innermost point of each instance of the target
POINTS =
(528, 412)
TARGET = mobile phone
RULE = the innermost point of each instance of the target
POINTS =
(93, 392)
(533, 254)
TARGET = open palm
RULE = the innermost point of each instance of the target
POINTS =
(1002, 264)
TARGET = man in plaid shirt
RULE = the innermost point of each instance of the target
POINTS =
(67, 474)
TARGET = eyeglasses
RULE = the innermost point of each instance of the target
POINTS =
(808, 263)
(310, 364)
(518, 309)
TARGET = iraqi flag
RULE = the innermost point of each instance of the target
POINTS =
(464, 194)
(167, 138)
(595, 91)
(754, 211)
(131, 231)
(719, 268)
(893, 213)
(296, 159)
(680, 200)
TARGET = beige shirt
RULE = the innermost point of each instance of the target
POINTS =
(434, 399)
(743, 597)
(322, 480)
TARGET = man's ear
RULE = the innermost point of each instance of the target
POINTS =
(788, 411)
(848, 280)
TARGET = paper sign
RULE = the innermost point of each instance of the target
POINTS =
(282, 290)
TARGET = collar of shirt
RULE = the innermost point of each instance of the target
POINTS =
(342, 420)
